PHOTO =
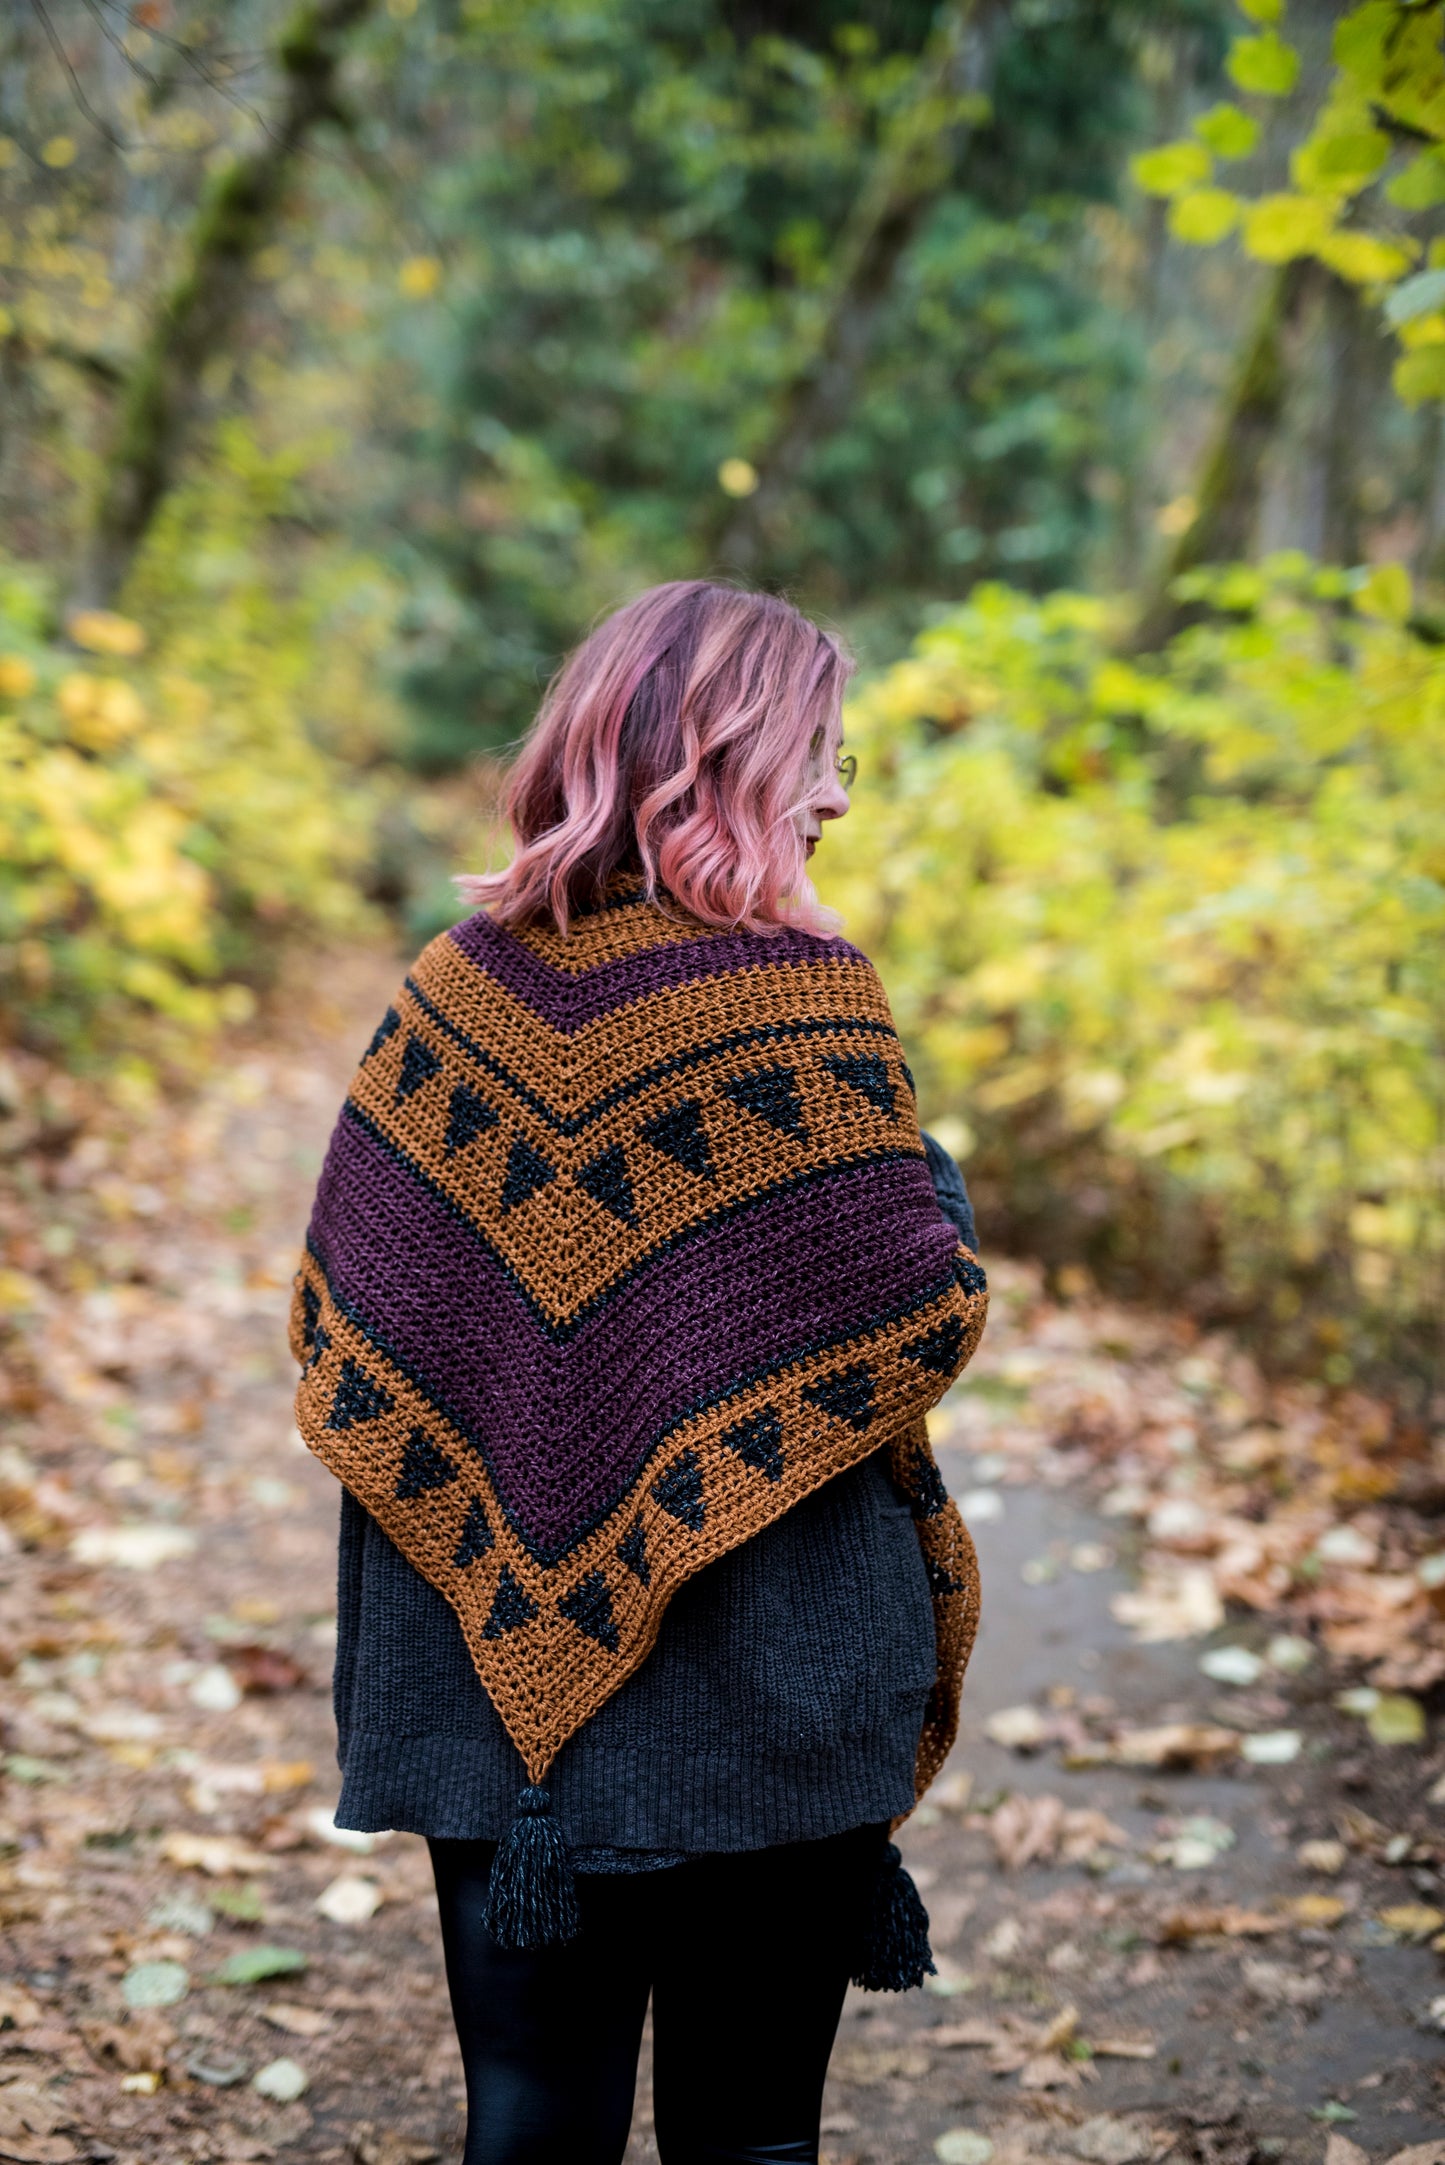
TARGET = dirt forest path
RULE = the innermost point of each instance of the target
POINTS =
(1177, 1913)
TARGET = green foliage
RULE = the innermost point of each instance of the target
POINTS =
(1168, 943)
(1375, 146)
(184, 791)
(639, 219)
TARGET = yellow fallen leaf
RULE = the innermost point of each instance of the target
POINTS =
(1412, 1920)
(219, 1855)
(1316, 1909)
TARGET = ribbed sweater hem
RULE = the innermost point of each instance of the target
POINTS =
(454, 1788)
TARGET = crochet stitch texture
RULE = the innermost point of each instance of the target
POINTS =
(624, 1243)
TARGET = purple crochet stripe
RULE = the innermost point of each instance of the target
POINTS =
(566, 1428)
(567, 1004)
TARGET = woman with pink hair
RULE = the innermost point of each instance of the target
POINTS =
(629, 1282)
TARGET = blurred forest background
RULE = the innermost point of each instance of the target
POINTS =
(1081, 359)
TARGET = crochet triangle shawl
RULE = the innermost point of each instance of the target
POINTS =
(624, 1243)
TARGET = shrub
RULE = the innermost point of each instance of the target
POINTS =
(1167, 940)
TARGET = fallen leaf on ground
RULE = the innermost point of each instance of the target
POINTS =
(349, 1899)
(1175, 1744)
(297, 2021)
(282, 2081)
(258, 1668)
(1018, 1728)
(1339, 2150)
(1050, 2071)
(1316, 1910)
(1277, 1986)
(968, 2034)
(1396, 1718)
(963, 2146)
(132, 1548)
(155, 1984)
(385, 2146)
(1025, 1829)
(253, 1965)
(1108, 2140)
(867, 2064)
(1123, 2048)
(1412, 1920)
(1227, 1920)
(218, 1855)
(1272, 1747)
(1324, 1856)
(1182, 1605)
(1420, 2153)
(17, 2009)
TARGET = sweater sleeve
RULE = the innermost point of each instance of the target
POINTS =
(948, 1186)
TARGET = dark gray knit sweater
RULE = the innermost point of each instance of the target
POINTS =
(783, 1700)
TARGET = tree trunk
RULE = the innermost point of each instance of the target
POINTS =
(909, 173)
(1232, 480)
(195, 317)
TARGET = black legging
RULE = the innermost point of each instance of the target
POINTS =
(747, 1960)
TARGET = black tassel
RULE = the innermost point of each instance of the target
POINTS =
(896, 1954)
(532, 1895)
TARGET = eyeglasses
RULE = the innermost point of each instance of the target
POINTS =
(845, 766)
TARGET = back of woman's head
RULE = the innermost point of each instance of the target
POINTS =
(676, 740)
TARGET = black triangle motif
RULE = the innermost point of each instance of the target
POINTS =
(319, 1344)
(758, 1441)
(476, 1535)
(512, 1608)
(632, 1551)
(866, 1073)
(938, 1349)
(679, 1491)
(940, 1582)
(527, 1171)
(310, 1315)
(847, 1394)
(680, 1135)
(772, 1094)
(605, 1179)
(468, 1116)
(358, 1397)
(929, 1493)
(424, 1465)
(589, 1607)
(388, 1026)
(970, 1275)
(418, 1065)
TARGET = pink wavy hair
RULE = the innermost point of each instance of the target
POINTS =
(677, 736)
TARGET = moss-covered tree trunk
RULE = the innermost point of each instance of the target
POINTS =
(910, 172)
(197, 314)
(1231, 483)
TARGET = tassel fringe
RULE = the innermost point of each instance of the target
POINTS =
(896, 1954)
(532, 1895)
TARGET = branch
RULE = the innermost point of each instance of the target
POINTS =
(909, 173)
(196, 317)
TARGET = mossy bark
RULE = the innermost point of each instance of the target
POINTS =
(238, 214)
(1231, 482)
(911, 170)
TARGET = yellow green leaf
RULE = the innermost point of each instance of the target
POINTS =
(1420, 375)
(1264, 65)
(1386, 593)
(1227, 131)
(1343, 162)
(1282, 226)
(1365, 259)
(1422, 184)
(1262, 11)
(1171, 168)
(1204, 215)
